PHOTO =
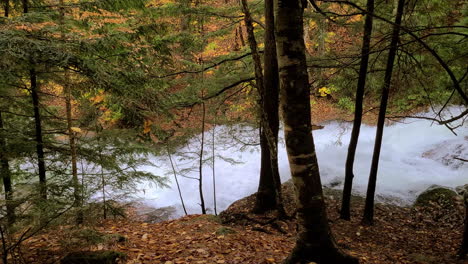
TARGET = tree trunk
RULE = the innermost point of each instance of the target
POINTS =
(369, 206)
(5, 172)
(213, 163)
(6, 175)
(269, 191)
(269, 174)
(103, 187)
(185, 20)
(315, 242)
(349, 174)
(241, 36)
(71, 135)
(464, 246)
(38, 125)
(200, 179)
(6, 7)
(177, 181)
(265, 198)
(25, 6)
(72, 142)
(39, 140)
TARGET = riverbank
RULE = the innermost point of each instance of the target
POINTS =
(400, 235)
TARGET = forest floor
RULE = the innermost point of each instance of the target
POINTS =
(399, 235)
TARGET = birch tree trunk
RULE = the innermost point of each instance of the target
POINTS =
(315, 242)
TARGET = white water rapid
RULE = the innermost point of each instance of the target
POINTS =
(415, 155)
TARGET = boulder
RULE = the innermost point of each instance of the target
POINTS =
(442, 196)
(93, 257)
(156, 215)
(449, 153)
(461, 190)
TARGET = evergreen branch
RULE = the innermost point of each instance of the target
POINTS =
(205, 68)
(217, 93)
(419, 40)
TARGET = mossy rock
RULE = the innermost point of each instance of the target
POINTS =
(423, 259)
(115, 238)
(93, 257)
(436, 195)
(224, 231)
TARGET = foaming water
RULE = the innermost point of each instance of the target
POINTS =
(415, 155)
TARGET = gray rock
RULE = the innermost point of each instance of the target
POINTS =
(156, 215)
(447, 153)
(461, 190)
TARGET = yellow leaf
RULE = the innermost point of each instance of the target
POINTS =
(324, 91)
(98, 98)
(76, 129)
(147, 126)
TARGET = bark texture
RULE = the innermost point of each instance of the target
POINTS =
(368, 218)
(315, 242)
(78, 201)
(269, 192)
(25, 6)
(464, 246)
(6, 6)
(349, 167)
(200, 168)
(39, 139)
(5, 173)
(269, 189)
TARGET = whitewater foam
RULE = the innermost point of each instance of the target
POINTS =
(405, 170)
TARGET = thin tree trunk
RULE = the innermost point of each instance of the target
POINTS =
(269, 128)
(71, 135)
(266, 194)
(177, 181)
(349, 167)
(270, 102)
(25, 6)
(39, 140)
(464, 245)
(38, 125)
(4, 245)
(200, 178)
(369, 206)
(265, 198)
(103, 190)
(253, 46)
(72, 142)
(315, 242)
(185, 20)
(241, 36)
(103, 178)
(6, 7)
(213, 164)
(6, 175)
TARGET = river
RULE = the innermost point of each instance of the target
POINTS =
(415, 155)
